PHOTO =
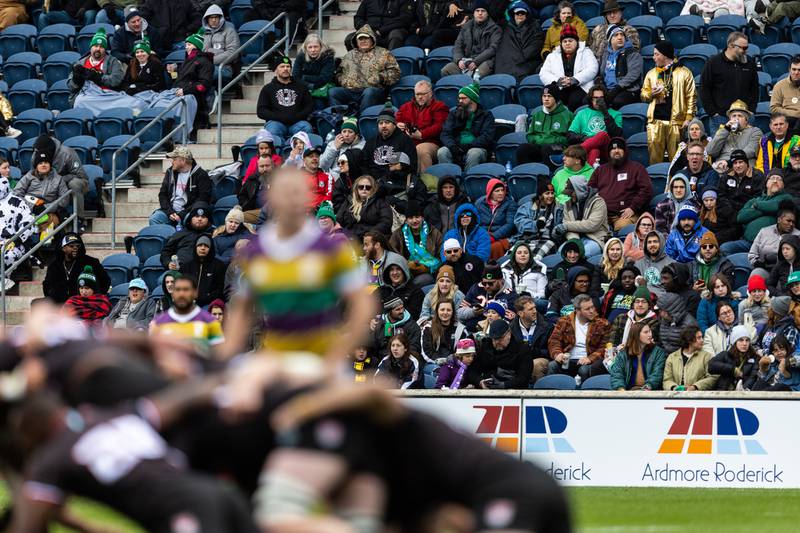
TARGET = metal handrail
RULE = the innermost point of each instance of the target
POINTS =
(285, 40)
(320, 8)
(7, 271)
(183, 125)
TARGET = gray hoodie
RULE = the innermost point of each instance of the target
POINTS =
(651, 267)
(49, 188)
(221, 41)
(669, 331)
(592, 220)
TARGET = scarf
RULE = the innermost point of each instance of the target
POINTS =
(664, 75)
(389, 328)
(462, 370)
(417, 251)
(375, 271)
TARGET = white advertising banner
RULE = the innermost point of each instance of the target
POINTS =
(638, 442)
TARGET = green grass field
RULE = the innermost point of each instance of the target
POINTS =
(628, 510)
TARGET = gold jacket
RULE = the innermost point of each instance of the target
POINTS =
(5, 108)
(684, 95)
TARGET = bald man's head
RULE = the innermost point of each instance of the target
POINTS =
(288, 196)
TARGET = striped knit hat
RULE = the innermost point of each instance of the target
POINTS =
(472, 91)
(99, 39)
(350, 123)
(196, 39)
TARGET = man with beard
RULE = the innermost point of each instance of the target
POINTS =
(390, 141)
(186, 320)
(105, 71)
(419, 243)
(395, 319)
(736, 188)
(774, 148)
(61, 280)
(378, 256)
(181, 243)
(285, 103)
(653, 263)
(578, 341)
(641, 311)
(729, 76)
(422, 119)
(791, 174)
(468, 132)
(683, 242)
(624, 185)
(502, 361)
(786, 94)
(467, 268)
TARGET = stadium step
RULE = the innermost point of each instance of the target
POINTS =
(137, 209)
(246, 117)
(124, 225)
(19, 304)
(102, 239)
(230, 135)
(30, 288)
(142, 194)
(339, 22)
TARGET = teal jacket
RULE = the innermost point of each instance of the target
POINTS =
(759, 212)
(623, 371)
(549, 128)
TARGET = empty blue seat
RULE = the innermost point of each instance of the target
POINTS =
(221, 208)
(150, 240)
(111, 123)
(238, 11)
(157, 131)
(634, 118)
(85, 146)
(529, 92)
(94, 173)
(772, 34)
(17, 38)
(476, 178)
(403, 90)
(121, 268)
(555, 382)
(649, 27)
(684, 30)
(73, 122)
(765, 86)
(602, 382)
(124, 159)
(741, 269)
(55, 38)
(721, 26)
(506, 149)
(496, 90)
(437, 59)
(117, 293)
(505, 117)
(668, 9)
(695, 56)
(658, 176)
(551, 261)
(33, 122)
(761, 116)
(151, 271)
(593, 22)
(631, 8)
(647, 57)
(444, 169)
(58, 96)
(224, 187)
(258, 46)
(59, 66)
(409, 58)
(523, 178)
(21, 66)
(637, 148)
(587, 9)
(446, 89)
(24, 155)
(177, 57)
(8, 149)
(87, 32)
(776, 58)
(27, 94)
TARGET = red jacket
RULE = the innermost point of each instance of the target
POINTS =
(321, 186)
(621, 187)
(428, 120)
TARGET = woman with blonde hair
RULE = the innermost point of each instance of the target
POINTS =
(612, 262)
(364, 211)
(315, 67)
(445, 288)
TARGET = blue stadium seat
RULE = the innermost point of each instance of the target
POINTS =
(754, 51)
(529, 92)
(86, 34)
(622, 233)
(93, 172)
(156, 132)
(684, 30)
(177, 57)
(555, 382)
(523, 179)
(21, 66)
(16, 173)
(436, 61)
(552, 260)
(152, 271)
(549, 22)
(654, 201)
(27, 94)
(637, 148)
(593, 22)
(221, 208)
(695, 56)
(649, 27)
(403, 90)
(631, 8)
(634, 118)
(776, 58)
(481, 174)
(444, 169)
(505, 117)
(225, 187)
(721, 26)
(773, 33)
(496, 90)
(151, 239)
(258, 46)
(59, 66)
(597, 382)
(658, 176)
(17, 38)
(33, 122)
(55, 38)
(765, 85)
(126, 157)
(647, 57)
(111, 123)
(506, 149)
(8, 149)
(368, 121)
(121, 268)
(587, 9)
(86, 146)
(117, 293)
(73, 122)
(446, 89)
(761, 116)
(741, 269)
(238, 11)
(58, 96)
(668, 9)
(409, 59)
(24, 155)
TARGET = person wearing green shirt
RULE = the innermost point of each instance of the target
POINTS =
(594, 126)
(574, 165)
(547, 132)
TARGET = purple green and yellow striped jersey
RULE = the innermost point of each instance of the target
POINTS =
(199, 326)
(297, 283)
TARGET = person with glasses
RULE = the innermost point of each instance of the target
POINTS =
(491, 287)
(633, 246)
(735, 134)
(422, 119)
(347, 138)
(468, 232)
(719, 337)
(709, 262)
(365, 211)
(696, 165)
(679, 193)
(695, 132)
(718, 290)
(349, 164)
(467, 267)
(729, 76)
(764, 250)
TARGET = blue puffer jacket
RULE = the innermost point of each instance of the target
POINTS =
(224, 243)
(707, 311)
(500, 223)
(475, 241)
(684, 251)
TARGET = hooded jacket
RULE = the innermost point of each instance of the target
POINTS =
(498, 221)
(669, 207)
(181, 243)
(477, 41)
(625, 186)
(376, 67)
(520, 48)
(669, 331)
(623, 67)
(314, 73)
(122, 40)
(682, 247)
(588, 216)
(428, 120)
(549, 127)
(172, 21)
(514, 360)
(760, 212)
(682, 285)
(411, 295)
(474, 240)
(297, 160)
(221, 42)
(776, 282)
(439, 213)
(585, 69)
(560, 272)
(59, 284)
(633, 246)
(560, 303)
(651, 267)
(707, 309)
(49, 188)
(66, 162)
(198, 189)
(286, 103)
(343, 187)
(209, 273)
(329, 160)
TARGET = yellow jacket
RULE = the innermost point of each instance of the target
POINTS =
(5, 108)
(552, 38)
(684, 95)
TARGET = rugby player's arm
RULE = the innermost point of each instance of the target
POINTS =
(166, 407)
(33, 515)
(237, 328)
(360, 307)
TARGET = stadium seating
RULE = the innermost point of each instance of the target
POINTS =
(58, 66)
(695, 56)
(555, 382)
(684, 30)
(221, 208)
(444, 169)
(58, 96)
(27, 94)
(593, 22)
(649, 27)
(587, 9)
(157, 131)
(597, 383)
(85, 146)
(437, 59)
(125, 158)
(522, 182)
(33, 122)
(506, 149)
(720, 27)
(16, 39)
(668, 9)
(73, 122)
(529, 92)
(409, 58)
(446, 89)
(496, 90)
(151, 271)
(25, 154)
(121, 268)
(505, 117)
(258, 46)
(21, 66)
(112, 122)
(658, 175)
(634, 118)
(8, 148)
(55, 38)
(776, 58)
(476, 178)
(368, 121)
(403, 90)
(238, 11)
(761, 116)
(637, 148)
(150, 240)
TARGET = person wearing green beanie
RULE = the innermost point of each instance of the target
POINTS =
(326, 219)
(476, 45)
(195, 77)
(468, 133)
(100, 38)
(102, 69)
(347, 138)
(145, 71)
(196, 40)
(640, 311)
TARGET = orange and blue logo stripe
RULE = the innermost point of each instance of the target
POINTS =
(693, 431)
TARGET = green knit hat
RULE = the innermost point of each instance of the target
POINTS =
(87, 278)
(641, 292)
(143, 44)
(326, 210)
(99, 39)
(350, 123)
(472, 91)
(196, 39)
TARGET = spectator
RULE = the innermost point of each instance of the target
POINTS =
(103, 70)
(698, 170)
(537, 216)
(400, 185)
(61, 278)
(633, 246)
(285, 103)
(445, 289)
(756, 304)
(718, 337)
(207, 270)
(468, 133)
(111, 11)
(547, 129)
(319, 183)
(186, 320)
(676, 278)
(346, 139)
(585, 216)
(641, 312)
(419, 244)
(695, 165)
(467, 267)
(764, 251)
(579, 280)
(441, 335)
(195, 77)
(612, 15)
(774, 148)
(623, 184)
(182, 243)
(233, 273)
(365, 211)
(271, 9)
(679, 194)
(675, 319)
(620, 69)
(791, 175)
(75, 12)
(772, 14)
(611, 263)
(65, 163)
(227, 235)
(18, 218)
(440, 211)
(683, 242)
(299, 142)
(594, 126)
(490, 288)
(501, 362)
(437, 24)
(779, 322)
(573, 255)
(315, 68)
(6, 116)
(640, 364)
(185, 184)
(571, 66)
(422, 119)
(711, 8)
(349, 165)
(476, 45)
(395, 320)
(44, 183)
(377, 255)
(740, 184)
(727, 77)
(326, 220)
(669, 89)
(520, 48)
(172, 21)
(620, 294)
(760, 212)
(366, 72)
(389, 19)
(167, 286)
(469, 233)
(785, 96)
(221, 41)
(136, 28)
(496, 212)
(390, 142)
(711, 220)
(523, 273)
(364, 365)
(453, 373)
(251, 194)
(88, 305)
(578, 341)
(653, 262)
(217, 310)
(574, 165)
(736, 366)
(564, 17)
(718, 290)
(708, 263)
(134, 312)
(265, 147)
(736, 134)
(534, 331)
(686, 368)
(145, 71)
(788, 262)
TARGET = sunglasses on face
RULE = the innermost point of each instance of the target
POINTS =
(708, 247)
(365, 187)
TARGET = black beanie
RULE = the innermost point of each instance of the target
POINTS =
(44, 143)
(665, 48)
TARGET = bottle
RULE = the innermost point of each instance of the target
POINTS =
(565, 364)
(608, 360)
(577, 380)
(174, 259)
(508, 168)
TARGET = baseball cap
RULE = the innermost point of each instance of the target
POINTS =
(180, 150)
(311, 150)
(70, 238)
(137, 283)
